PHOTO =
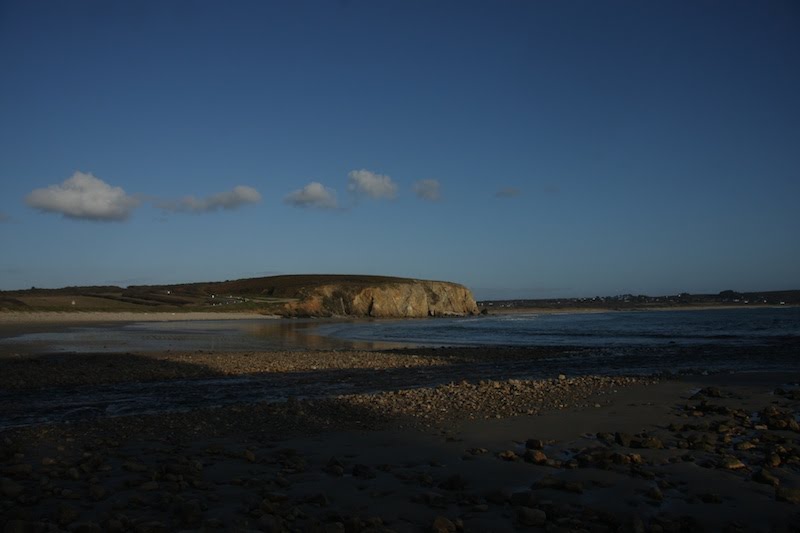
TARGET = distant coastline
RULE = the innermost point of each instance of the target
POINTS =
(586, 310)
(628, 302)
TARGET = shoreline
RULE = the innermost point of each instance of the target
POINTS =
(591, 310)
(61, 317)
(679, 454)
(82, 317)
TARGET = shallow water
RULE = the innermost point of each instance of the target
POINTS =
(641, 328)
(187, 335)
(606, 343)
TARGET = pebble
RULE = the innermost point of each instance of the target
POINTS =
(786, 494)
(535, 456)
(65, 514)
(765, 476)
(508, 455)
(363, 471)
(534, 444)
(442, 524)
(531, 517)
(729, 462)
(149, 485)
(10, 488)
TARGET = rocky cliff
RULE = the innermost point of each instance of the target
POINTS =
(398, 298)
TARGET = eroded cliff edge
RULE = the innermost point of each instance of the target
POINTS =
(304, 295)
(397, 299)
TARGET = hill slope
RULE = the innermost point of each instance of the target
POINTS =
(300, 295)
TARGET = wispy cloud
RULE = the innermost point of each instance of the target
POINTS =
(85, 197)
(427, 190)
(240, 196)
(4, 218)
(508, 192)
(312, 195)
(370, 184)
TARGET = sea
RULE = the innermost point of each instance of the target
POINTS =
(607, 343)
(738, 326)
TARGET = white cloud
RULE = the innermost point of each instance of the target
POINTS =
(312, 195)
(508, 192)
(240, 195)
(84, 196)
(371, 184)
(427, 190)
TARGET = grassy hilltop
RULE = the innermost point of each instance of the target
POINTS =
(266, 295)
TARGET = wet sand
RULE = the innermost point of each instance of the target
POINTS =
(23, 319)
(585, 453)
(562, 453)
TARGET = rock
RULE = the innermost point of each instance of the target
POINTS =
(442, 524)
(431, 499)
(23, 526)
(525, 498)
(508, 455)
(85, 527)
(270, 524)
(149, 485)
(377, 297)
(535, 456)
(97, 492)
(319, 499)
(765, 476)
(729, 462)
(534, 444)
(562, 377)
(132, 466)
(454, 482)
(531, 517)
(10, 488)
(605, 437)
(499, 496)
(550, 482)
(363, 471)
(335, 470)
(785, 494)
(621, 458)
(623, 439)
(216, 523)
(249, 456)
(711, 392)
(152, 527)
(18, 470)
(65, 514)
(650, 443)
(189, 513)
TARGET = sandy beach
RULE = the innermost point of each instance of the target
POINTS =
(566, 453)
(416, 439)
(23, 319)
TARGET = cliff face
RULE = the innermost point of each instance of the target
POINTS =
(402, 299)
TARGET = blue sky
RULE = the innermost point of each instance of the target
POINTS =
(525, 149)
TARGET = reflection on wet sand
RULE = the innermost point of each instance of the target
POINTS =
(214, 335)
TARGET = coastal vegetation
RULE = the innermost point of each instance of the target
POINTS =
(290, 295)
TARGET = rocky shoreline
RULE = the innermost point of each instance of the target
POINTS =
(566, 453)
